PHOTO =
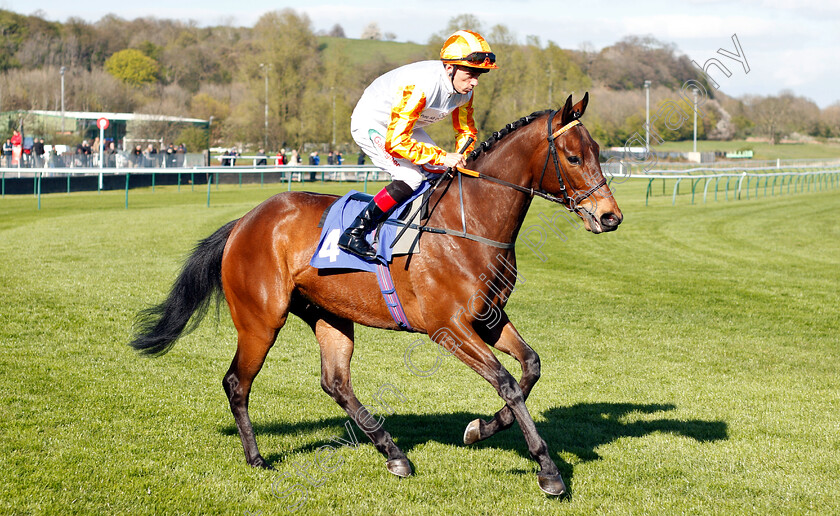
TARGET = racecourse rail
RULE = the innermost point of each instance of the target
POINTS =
(729, 180)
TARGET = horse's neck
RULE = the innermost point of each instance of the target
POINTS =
(492, 210)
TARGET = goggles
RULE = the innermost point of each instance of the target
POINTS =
(481, 57)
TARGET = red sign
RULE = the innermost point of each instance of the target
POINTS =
(102, 123)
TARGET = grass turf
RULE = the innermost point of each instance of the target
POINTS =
(689, 365)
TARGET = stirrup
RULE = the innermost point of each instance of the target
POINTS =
(357, 246)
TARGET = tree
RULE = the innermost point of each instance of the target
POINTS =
(133, 67)
(770, 114)
(830, 120)
(337, 31)
(371, 31)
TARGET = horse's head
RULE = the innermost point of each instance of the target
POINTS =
(572, 172)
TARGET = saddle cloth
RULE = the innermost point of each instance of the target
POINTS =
(341, 214)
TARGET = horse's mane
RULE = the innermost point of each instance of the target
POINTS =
(504, 131)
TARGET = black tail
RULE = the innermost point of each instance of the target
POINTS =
(160, 326)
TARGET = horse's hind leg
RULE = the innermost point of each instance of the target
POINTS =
(252, 348)
(508, 341)
(335, 337)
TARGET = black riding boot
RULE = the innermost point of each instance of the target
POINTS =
(353, 240)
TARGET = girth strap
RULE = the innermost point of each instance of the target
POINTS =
(389, 294)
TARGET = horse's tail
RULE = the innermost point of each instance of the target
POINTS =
(158, 327)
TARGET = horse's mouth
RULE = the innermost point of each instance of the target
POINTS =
(606, 223)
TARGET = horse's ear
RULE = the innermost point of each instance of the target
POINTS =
(566, 112)
(580, 107)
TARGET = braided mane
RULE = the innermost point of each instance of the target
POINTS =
(504, 131)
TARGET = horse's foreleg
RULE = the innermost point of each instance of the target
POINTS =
(335, 337)
(250, 354)
(508, 341)
(475, 353)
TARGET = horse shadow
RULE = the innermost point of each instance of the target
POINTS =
(579, 429)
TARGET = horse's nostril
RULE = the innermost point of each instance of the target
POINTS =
(610, 220)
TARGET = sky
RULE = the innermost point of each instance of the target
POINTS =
(788, 44)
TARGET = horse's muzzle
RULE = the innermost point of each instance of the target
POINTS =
(610, 221)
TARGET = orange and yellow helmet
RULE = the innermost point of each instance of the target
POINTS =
(468, 48)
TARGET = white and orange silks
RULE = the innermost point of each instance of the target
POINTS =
(388, 120)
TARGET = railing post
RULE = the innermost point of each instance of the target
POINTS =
(126, 189)
(676, 189)
(209, 186)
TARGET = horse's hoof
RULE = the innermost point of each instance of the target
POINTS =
(399, 467)
(473, 433)
(552, 484)
(260, 462)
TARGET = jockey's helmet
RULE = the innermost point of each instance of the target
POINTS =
(468, 48)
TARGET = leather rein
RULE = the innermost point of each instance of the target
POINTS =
(570, 203)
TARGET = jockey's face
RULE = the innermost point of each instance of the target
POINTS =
(463, 79)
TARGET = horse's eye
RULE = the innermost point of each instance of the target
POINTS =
(574, 160)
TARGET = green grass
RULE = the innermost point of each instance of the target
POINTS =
(689, 365)
(761, 150)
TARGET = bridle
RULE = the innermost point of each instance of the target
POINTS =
(570, 203)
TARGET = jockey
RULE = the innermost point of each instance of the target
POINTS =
(388, 120)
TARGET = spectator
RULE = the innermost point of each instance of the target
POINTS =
(28, 142)
(361, 160)
(111, 155)
(261, 161)
(170, 156)
(17, 148)
(7, 153)
(331, 158)
(79, 158)
(281, 157)
(38, 152)
(150, 155)
(84, 155)
(180, 156)
(295, 158)
(314, 159)
(339, 159)
(136, 156)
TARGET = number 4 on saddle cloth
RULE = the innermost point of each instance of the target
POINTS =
(341, 214)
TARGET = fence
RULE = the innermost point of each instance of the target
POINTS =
(817, 176)
(40, 181)
(736, 182)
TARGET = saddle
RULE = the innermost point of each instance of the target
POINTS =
(391, 238)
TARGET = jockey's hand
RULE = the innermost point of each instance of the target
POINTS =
(453, 159)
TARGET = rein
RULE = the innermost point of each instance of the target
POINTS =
(572, 204)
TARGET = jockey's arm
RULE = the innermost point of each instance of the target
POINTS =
(398, 140)
(464, 126)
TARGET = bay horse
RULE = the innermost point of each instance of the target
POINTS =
(260, 265)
